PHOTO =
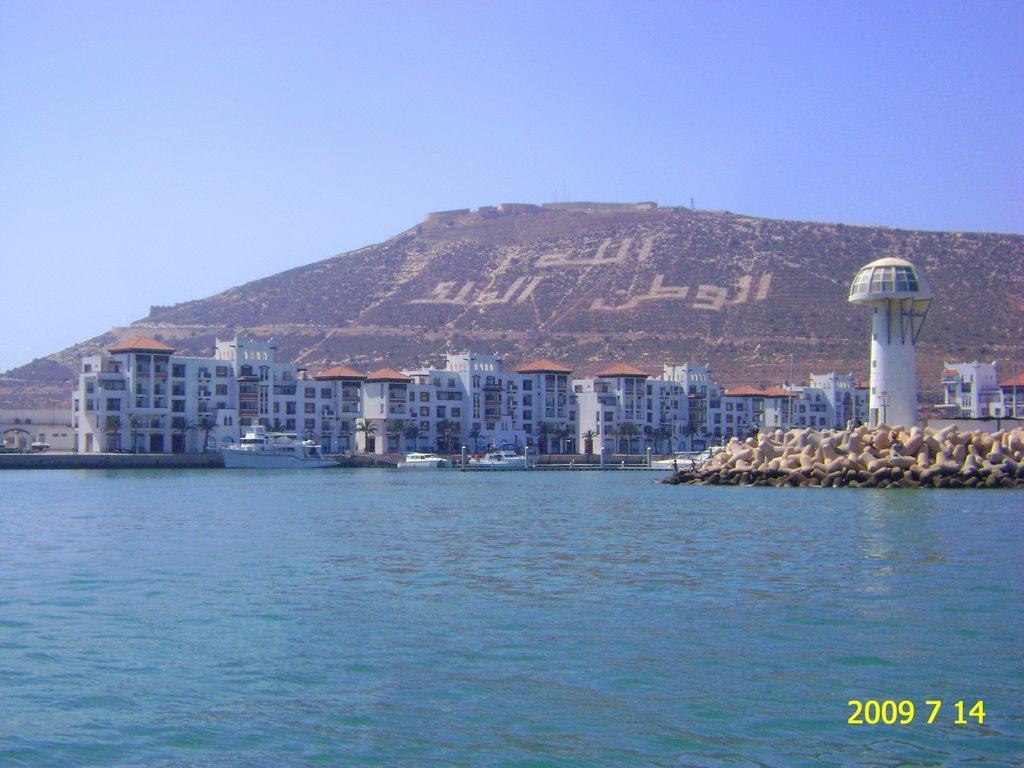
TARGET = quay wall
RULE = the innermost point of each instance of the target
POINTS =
(111, 461)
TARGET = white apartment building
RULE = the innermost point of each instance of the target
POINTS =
(623, 410)
(701, 391)
(473, 402)
(972, 389)
(543, 403)
(976, 391)
(141, 397)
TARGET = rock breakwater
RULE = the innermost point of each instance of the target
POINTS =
(881, 457)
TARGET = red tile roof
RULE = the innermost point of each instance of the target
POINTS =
(779, 392)
(745, 392)
(949, 372)
(140, 344)
(387, 374)
(621, 370)
(543, 365)
(339, 372)
(1019, 381)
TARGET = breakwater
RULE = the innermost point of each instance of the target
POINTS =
(881, 457)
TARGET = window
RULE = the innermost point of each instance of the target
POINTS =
(310, 392)
(289, 407)
(425, 412)
(223, 371)
(310, 407)
(221, 390)
(441, 411)
(90, 387)
(113, 404)
(456, 413)
(527, 385)
(325, 393)
(178, 371)
(424, 397)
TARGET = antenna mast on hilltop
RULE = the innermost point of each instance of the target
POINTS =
(692, 207)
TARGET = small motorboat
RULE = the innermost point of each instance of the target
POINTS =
(685, 459)
(500, 460)
(424, 461)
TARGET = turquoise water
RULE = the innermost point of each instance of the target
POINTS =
(372, 617)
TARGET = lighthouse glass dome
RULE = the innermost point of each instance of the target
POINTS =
(887, 278)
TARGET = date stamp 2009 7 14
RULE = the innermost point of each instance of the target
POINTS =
(890, 712)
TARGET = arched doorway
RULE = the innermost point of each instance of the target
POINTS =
(17, 439)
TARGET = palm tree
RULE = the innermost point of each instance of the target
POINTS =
(544, 430)
(182, 428)
(206, 424)
(135, 425)
(396, 428)
(588, 441)
(474, 435)
(648, 433)
(689, 432)
(112, 426)
(368, 428)
(412, 432)
(442, 436)
(628, 430)
(661, 434)
(454, 430)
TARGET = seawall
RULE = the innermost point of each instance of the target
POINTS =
(111, 461)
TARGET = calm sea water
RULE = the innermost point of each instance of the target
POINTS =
(546, 619)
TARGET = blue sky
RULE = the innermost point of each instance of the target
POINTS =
(152, 153)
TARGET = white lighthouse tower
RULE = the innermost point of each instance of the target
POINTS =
(899, 298)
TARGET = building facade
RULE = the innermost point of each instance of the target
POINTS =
(141, 396)
(977, 391)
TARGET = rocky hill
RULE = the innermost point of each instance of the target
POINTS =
(593, 283)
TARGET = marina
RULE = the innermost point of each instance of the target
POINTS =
(367, 617)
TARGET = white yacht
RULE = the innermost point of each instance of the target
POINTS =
(424, 461)
(260, 449)
(500, 460)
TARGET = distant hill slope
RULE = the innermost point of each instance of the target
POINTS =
(590, 283)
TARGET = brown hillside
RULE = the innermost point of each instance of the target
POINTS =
(596, 283)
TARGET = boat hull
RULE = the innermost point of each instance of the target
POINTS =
(439, 464)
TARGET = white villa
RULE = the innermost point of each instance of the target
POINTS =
(976, 391)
